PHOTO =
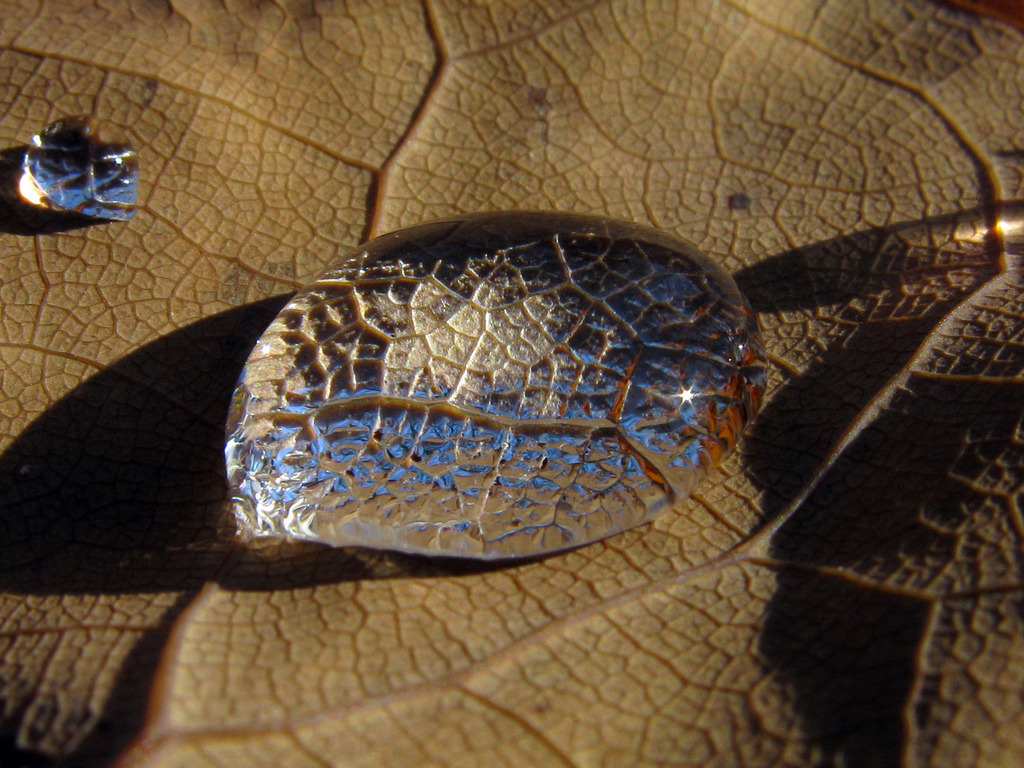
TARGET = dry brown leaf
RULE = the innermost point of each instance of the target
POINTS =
(845, 590)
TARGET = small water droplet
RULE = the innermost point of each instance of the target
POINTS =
(68, 167)
(23, 471)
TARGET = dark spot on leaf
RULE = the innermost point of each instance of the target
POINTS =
(739, 201)
(538, 98)
(149, 90)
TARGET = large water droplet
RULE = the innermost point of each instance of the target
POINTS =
(68, 167)
(490, 386)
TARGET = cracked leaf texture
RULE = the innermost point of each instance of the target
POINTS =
(844, 590)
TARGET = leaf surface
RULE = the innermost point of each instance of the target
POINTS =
(846, 589)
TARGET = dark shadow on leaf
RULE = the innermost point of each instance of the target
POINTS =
(904, 505)
(850, 651)
(853, 312)
(18, 217)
